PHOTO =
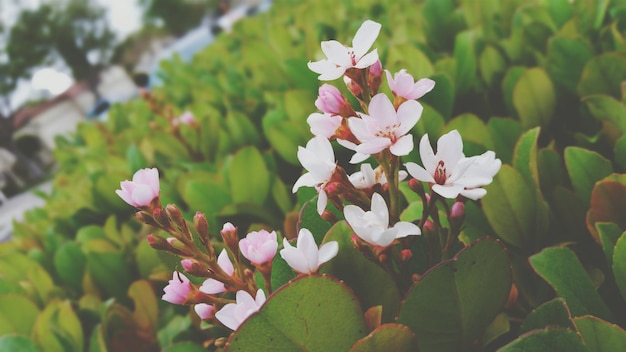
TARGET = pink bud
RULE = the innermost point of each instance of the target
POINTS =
(187, 264)
(142, 189)
(204, 310)
(428, 226)
(178, 289)
(259, 247)
(376, 69)
(458, 211)
(330, 100)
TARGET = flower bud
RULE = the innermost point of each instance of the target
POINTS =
(376, 69)
(160, 217)
(353, 87)
(146, 218)
(230, 236)
(374, 77)
(158, 242)
(194, 268)
(329, 216)
(416, 186)
(175, 215)
(330, 100)
(457, 213)
(406, 255)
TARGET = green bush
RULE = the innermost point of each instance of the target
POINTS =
(541, 83)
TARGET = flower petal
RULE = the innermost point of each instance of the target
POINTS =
(293, 257)
(422, 87)
(373, 146)
(337, 53)
(367, 60)
(419, 172)
(327, 252)
(382, 112)
(429, 160)
(450, 149)
(226, 316)
(406, 228)
(402, 146)
(408, 114)
(365, 37)
(448, 191)
(322, 200)
(379, 208)
(474, 194)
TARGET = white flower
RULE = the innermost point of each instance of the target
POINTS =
(373, 226)
(233, 314)
(368, 177)
(341, 58)
(383, 128)
(318, 159)
(305, 258)
(450, 172)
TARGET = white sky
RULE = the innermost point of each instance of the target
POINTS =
(124, 16)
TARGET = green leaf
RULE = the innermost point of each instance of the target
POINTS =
(534, 98)
(42, 283)
(472, 128)
(249, 177)
(145, 302)
(441, 98)
(509, 83)
(562, 270)
(566, 59)
(298, 315)
(311, 220)
(585, 168)
(551, 313)
(608, 233)
(17, 314)
(603, 75)
(465, 56)
(454, 302)
(206, 195)
(547, 340)
(109, 271)
(135, 158)
(148, 260)
(504, 133)
(69, 263)
(607, 108)
(387, 337)
(437, 23)
(619, 264)
(58, 328)
(492, 65)
(411, 58)
(359, 273)
(185, 347)
(599, 335)
(510, 207)
(17, 343)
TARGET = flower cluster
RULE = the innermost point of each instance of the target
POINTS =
(224, 288)
(226, 274)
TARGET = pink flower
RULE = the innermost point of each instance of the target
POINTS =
(330, 100)
(318, 159)
(340, 58)
(383, 128)
(142, 189)
(204, 310)
(324, 125)
(403, 85)
(305, 258)
(212, 286)
(259, 247)
(233, 314)
(186, 118)
(178, 289)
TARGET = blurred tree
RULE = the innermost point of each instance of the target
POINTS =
(75, 31)
(178, 16)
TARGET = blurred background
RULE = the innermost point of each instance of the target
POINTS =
(66, 61)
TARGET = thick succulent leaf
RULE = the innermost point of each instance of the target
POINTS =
(534, 98)
(563, 271)
(454, 302)
(551, 313)
(599, 335)
(547, 340)
(585, 168)
(387, 337)
(619, 264)
(310, 313)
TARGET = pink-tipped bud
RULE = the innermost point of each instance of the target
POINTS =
(146, 218)
(428, 226)
(158, 242)
(406, 255)
(330, 100)
(416, 186)
(187, 264)
(376, 69)
(457, 213)
(176, 216)
(161, 218)
(230, 236)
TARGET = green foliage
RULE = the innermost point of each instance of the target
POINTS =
(539, 82)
